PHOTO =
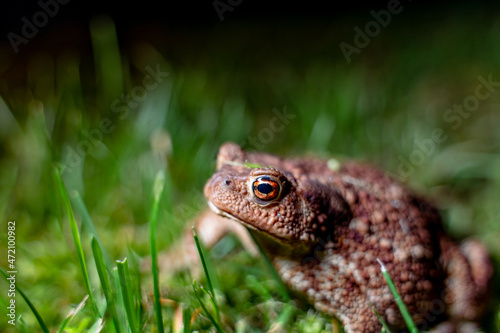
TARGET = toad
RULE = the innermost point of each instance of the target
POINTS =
(325, 226)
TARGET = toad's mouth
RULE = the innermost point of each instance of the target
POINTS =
(223, 213)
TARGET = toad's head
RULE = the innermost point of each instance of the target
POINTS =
(261, 192)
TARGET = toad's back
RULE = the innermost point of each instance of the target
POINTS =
(388, 223)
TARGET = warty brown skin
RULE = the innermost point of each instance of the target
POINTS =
(326, 229)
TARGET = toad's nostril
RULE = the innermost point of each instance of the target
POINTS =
(227, 182)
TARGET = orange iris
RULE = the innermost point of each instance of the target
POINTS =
(265, 188)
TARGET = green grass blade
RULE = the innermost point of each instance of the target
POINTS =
(281, 286)
(256, 286)
(382, 321)
(125, 284)
(186, 319)
(22, 325)
(76, 238)
(89, 226)
(157, 191)
(212, 301)
(135, 278)
(283, 318)
(73, 313)
(207, 274)
(97, 326)
(107, 57)
(209, 265)
(202, 304)
(401, 305)
(106, 285)
(119, 299)
(30, 305)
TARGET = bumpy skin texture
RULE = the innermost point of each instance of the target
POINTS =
(327, 228)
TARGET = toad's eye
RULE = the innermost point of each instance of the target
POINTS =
(265, 188)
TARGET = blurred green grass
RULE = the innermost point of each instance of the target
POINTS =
(223, 85)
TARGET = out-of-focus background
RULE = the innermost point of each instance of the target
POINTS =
(109, 94)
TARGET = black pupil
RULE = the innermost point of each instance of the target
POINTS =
(265, 188)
